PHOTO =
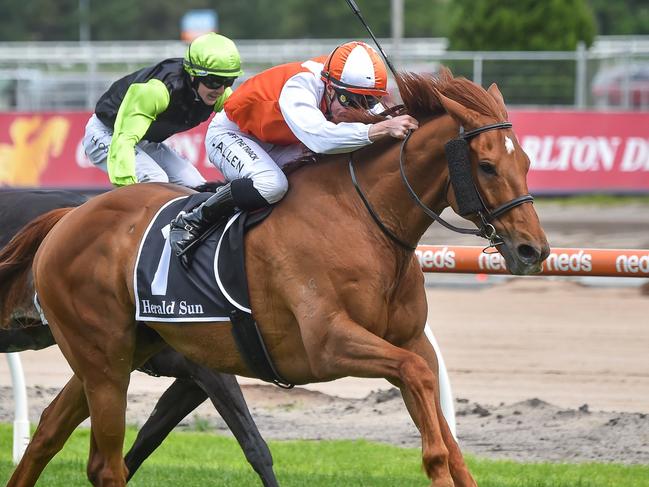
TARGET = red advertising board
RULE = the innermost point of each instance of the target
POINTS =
(574, 152)
(571, 152)
(45, 150)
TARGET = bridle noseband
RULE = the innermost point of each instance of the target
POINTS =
(461, 187)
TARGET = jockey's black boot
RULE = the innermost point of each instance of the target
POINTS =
(187, 227)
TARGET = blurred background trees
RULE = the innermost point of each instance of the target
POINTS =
(469, 24)
(521, 25)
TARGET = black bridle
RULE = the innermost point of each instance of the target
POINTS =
(486, 229)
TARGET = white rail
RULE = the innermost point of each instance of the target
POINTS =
(21, 420)
(445, 392)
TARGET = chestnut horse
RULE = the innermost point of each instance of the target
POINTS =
(336, 292)
(193, 385)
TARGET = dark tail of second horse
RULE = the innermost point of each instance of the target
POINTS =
(16, 260)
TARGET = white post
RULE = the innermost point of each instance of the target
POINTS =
(396, 22)
(582, 72)
(445, 393)
(21, 420)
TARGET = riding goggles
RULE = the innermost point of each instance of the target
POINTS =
(214, 82)
(354, 100)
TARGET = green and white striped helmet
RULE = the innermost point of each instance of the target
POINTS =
(212, 54)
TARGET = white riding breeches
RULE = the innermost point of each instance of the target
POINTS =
(154, 161)
(239, 155)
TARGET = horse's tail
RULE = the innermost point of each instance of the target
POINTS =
(16, 261)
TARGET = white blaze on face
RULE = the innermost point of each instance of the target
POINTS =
(509, 145)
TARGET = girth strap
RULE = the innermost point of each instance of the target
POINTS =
(251, 347)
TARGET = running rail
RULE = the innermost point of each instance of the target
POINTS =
(561, 262)
(21, 421)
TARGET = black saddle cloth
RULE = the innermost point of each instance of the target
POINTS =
(215, 284)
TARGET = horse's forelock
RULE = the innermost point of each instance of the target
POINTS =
(418, 94)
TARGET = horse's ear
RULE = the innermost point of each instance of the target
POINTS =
(498, 96)
(465, 116)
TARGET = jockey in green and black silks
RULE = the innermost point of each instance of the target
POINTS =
(125, 136)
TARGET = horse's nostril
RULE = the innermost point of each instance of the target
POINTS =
(528, 254)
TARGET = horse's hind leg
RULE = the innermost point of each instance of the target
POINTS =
(106, 393)
(225, 393)
(101, 356)
(180, 399)
(194, 384)
(148, 343)
(57, 423)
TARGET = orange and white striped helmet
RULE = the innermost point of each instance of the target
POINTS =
(357, 68)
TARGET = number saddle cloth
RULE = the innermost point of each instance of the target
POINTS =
(215, 285)
(214, 288)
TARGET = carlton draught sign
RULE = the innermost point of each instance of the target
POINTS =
(570, 152)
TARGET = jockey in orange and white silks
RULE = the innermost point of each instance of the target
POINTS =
(272, 117)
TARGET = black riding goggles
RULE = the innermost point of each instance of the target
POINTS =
(354, 100)
(214, 82)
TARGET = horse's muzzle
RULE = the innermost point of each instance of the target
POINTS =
(525, 258)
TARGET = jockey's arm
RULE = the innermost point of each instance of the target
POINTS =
(299, 104)
(142, 103)
(396, 127)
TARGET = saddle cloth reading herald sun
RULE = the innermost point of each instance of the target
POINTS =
(215, 284)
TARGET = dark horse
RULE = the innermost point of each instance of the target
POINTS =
(333, 292)
(194, 383)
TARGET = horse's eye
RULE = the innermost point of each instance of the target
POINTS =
(488, 168)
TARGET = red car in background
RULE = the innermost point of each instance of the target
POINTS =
(610, 86)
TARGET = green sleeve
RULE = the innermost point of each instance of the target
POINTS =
(218, 106)
(142, 103)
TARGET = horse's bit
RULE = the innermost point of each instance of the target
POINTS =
(459, 167)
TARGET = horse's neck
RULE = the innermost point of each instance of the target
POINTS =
(426, 171)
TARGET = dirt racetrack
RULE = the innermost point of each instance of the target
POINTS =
(541, 368)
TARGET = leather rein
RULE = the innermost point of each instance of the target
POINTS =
(486, 229)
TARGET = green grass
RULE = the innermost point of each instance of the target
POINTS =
(199, 459)
(595, 199)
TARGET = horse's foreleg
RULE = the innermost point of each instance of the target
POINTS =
(180, 399)
(225, 393)
(57, 423)
(461, 475)
(349, 349)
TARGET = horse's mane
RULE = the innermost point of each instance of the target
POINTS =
(419, 95)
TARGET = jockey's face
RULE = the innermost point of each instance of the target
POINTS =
(339, 101)
(335, 107)
(208, 95)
